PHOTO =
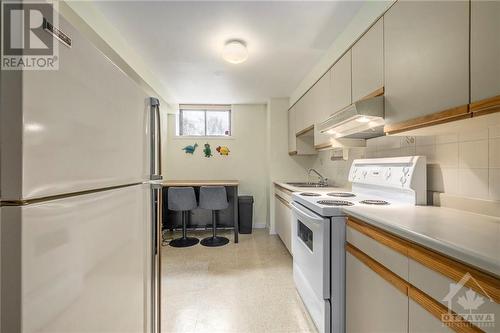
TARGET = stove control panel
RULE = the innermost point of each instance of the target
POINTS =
(407, 172)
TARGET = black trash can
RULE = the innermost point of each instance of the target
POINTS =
(245, 214)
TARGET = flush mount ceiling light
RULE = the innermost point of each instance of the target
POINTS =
(235, 52)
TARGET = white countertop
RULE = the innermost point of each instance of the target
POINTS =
(471, 238)
(309, 189)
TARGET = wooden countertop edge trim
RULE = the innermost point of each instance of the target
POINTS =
(283, 201)
(435, 308)
(456, 113)
(489, 285)
(379, 235)
(283, 189)
(438, 310)
(305, 130)
(486, 285)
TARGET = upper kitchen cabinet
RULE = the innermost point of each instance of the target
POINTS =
(426, 50)
(322, 99)
(298, 144)
(292, 143)
(368, 63)
(341, 83)
(485, 55)
(303, 120)
(307, 109)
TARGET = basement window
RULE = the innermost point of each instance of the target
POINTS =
(204, 120)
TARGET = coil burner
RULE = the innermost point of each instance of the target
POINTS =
(341, 194)
(374, 202)
(310, 194)
(335, 203)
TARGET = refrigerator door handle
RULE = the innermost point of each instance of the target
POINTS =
(156, 221)
(155, 139)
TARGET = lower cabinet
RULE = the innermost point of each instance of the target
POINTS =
(283, 221)
(421, 321)
(372, 303)
(393, 285)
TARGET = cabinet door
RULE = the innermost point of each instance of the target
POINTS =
(426, 50)
(321, 94)
(292, 142)
(322, 97)
(278, 219)
(283, 222)
(299, 115)
(485, 49)
(308, 106)
(341, 83)
(372, 303)
(421, 321)
(368, 62)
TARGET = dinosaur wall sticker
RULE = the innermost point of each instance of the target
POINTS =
(207, 150)
(223, 150)
(190, 149)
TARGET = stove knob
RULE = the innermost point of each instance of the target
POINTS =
(388, 174)
(406, 170)
(365, 173)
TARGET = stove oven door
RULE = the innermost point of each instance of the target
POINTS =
(311, 263)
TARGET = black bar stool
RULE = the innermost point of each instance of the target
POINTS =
(182, 199)
(215, 199)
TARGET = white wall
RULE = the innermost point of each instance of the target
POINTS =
(247, 161)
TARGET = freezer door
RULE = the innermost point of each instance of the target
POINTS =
(78, 264)
(83, 126)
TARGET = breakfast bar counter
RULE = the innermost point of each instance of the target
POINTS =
(169, 183)
(201, 218)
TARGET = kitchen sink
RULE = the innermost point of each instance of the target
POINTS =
(305, 184)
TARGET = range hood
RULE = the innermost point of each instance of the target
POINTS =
(360, 120)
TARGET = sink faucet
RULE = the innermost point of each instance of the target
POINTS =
(323, 181)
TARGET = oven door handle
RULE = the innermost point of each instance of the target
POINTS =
(306, 213)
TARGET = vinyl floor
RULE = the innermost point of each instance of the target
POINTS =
(244, 287)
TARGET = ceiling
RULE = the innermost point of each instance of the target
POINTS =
(182, 43)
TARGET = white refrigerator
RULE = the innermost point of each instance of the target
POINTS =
(79, 153)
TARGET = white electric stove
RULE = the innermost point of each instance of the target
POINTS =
(319, 229)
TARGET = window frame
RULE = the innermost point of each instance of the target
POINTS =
(205, 109)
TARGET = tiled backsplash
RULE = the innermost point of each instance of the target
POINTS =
(465, 164)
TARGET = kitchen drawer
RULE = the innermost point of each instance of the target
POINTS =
(439, 286)
(421, 321)
(283, 221)
(284, 193)
(373, 304)
(362, 237)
